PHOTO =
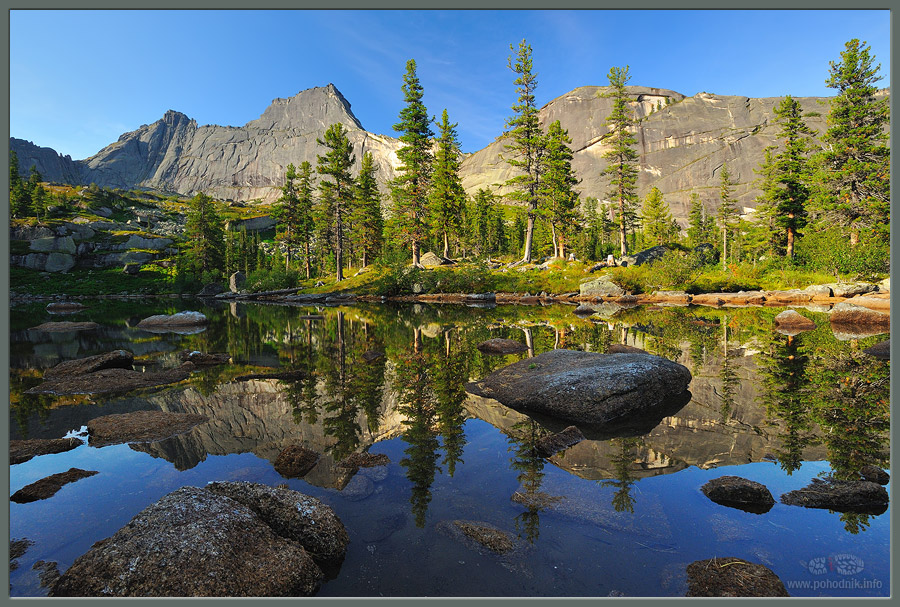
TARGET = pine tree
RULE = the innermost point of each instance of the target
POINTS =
(410, 189)
(527, 147)
(19, 195)
(728, 214)
(854, 179)
(447, 194)
(286, 212)
(336, 194)
(791, 172)
(657, 219)
(559, 199)
(621, 157)
(368, 225)
(205, 233)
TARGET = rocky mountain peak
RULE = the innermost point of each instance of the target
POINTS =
(310, 110)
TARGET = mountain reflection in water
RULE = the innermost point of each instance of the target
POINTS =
(367, 377)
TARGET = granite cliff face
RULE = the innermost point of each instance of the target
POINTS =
(683, 143)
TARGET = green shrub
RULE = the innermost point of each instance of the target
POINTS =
(830, 251)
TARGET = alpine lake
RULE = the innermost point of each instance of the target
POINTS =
(627, 513)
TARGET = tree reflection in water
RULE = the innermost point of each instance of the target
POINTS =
(625, 455)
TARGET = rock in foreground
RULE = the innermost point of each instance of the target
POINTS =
(740, 493)
(202, 542)
(840, 496)
(139, 426)
(732, 577)
(584, 386)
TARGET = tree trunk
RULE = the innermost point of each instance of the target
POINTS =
(415, 252)
(724, 250)
(306, 259)
(553, 238)
(529, 235)
(562, 246)
(623, 247)
(446, 246)
(790, 243)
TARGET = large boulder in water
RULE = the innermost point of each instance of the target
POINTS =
(227, 539)
(586, 387)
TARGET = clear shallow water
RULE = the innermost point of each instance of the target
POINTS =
(763, 404)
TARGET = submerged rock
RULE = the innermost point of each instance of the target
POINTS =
(880, 350)
(733, 577)
(356, 461)
(550, 445)
(111, 380)
(23, 450)
(501, 346)
(875, 474)
(793, 322)
(740, 493)
(227, 539)
(187, 320)
(139, 427)
(18, 548)
(117, 359)
(65, 326)
(840, 496)
(48, 572)
(479, 533)
(47, 487)
(585, 386)
(295, 461)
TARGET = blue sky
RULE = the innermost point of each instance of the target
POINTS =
(93, 75)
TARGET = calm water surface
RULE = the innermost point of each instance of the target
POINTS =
(390, 379)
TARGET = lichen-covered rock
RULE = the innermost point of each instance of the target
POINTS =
(601, 287)
(739, 493)
(139, 426)
(292, 515)
(111, 381)
(23, 450)
(48, 486)
(585, 386)
(732, 577)
(840, 496)
(199, 542)
(479, 533)
(237, 281)
(846, 314)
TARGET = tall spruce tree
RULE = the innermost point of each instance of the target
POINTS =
(527, 147)
(659, 227)
(854, 177)
(336, 195)
(205, 233)
(621, 157)
(791, 172)
(304, 226)
(19, 195)
(410, 188)
(728, 214)
(368, 225)
(559, 198)
(286, 211)
(447, 194)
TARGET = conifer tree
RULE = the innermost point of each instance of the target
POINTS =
(621, 157)
(559, 199)
(728, 214)
(304, 227)
(701, 224)
(447, 194)
(657, 219)
(791, 172)
(19, 196)
(410, 189)
(854, 179)
(527, 147)
(368, 225)
(336, 194)
(286, 211)
(205, 233)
